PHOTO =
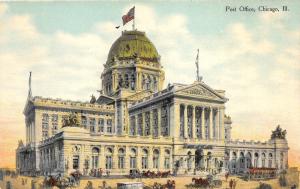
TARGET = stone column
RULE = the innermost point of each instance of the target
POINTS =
(218, 124)
(203, 122)
(161, 159)
(176, 121)
(115, 159)
(159, 121)
(151, 122)
(138, 158)
(104, 126)
(211, 123)
(136, 124)
(194, 122)
(127, 158)
(221, 124)
(143, 125)
(186, 135)
(150, 158)
(27, 137)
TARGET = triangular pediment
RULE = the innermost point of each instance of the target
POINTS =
(200, 90)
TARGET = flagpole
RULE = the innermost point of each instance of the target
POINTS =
(133, 23)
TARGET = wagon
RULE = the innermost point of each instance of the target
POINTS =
(130, 185)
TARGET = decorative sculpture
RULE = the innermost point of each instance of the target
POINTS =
(278, 133)
(71, 121)
(93, 99)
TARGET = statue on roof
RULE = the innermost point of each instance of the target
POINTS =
(20, 144)
(278, 133)
(93, 99)
(71, 121)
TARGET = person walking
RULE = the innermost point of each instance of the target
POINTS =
(231, 184)
(234, 183)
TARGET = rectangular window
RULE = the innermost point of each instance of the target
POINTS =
(45, 117)
(84, 121)
(101, 125)
(76, 162)
(109, 126)
(54, 118)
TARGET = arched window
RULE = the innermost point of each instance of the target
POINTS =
(121, 158)
(227, 157)
(108, 159)
(133, 155)
(155, 159)
(256, 156)
(95, 158)
(145, 159)
(242, 160)
(233, 161)
(263, 160)
(248, 160)
(270, 160)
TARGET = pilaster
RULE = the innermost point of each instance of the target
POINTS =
(203, 123)
(211, 123)
(186, 135)
(194, 122)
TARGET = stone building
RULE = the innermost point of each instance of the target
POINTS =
(135, 123)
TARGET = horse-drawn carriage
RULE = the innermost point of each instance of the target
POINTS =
(261, 173)
(149, 174)
(208, 182)
(62, 182)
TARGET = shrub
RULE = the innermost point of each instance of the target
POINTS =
(264, 186)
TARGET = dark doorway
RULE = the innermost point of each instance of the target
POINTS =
(199, 158)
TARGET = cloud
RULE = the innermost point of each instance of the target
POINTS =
(3, 8)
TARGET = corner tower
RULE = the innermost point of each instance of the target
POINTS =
(133, 64)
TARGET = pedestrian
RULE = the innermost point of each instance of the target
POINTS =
(226, 175)
(101, 172)
(234, 183)
(231, 184)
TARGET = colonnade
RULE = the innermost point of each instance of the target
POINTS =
(241, 160)
(200, 122)
(154, 122)
(30, 132)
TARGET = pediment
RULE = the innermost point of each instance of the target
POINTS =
(200, 90)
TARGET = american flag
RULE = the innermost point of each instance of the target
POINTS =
(129, 16)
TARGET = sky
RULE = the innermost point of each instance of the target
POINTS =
(254, 56)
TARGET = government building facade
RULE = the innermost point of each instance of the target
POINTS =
(137, 124)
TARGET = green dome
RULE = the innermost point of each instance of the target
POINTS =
(133, 44)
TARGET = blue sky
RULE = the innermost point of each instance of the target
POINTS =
(253, 56)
